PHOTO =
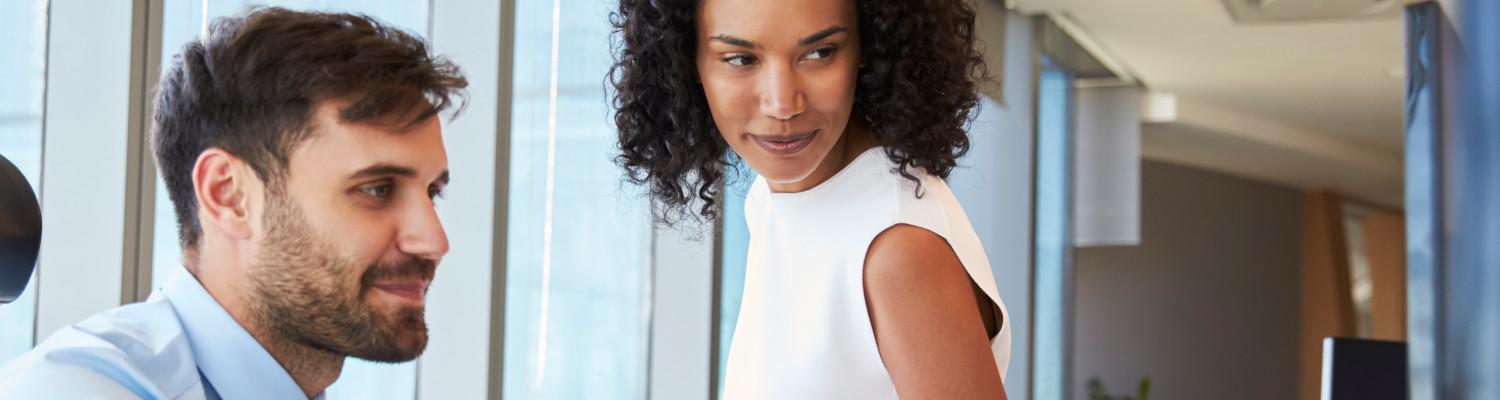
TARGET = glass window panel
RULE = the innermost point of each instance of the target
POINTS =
(578, 238)
(735, 245)
(184, 20)
(23, 41)
(1053, 238)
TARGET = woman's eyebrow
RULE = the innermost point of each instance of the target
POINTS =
(810, 39)
(823, 34)
(735, 41)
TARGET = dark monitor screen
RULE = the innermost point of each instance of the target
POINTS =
(20, 231)
(1364, 369)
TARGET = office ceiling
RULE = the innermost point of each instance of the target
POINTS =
(1330, 91)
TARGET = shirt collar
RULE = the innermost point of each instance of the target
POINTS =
(235, 364)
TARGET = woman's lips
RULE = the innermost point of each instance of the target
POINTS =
(784, 144)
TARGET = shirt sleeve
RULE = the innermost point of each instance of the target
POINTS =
(72, 365)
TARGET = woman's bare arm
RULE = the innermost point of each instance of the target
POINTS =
(926, 319)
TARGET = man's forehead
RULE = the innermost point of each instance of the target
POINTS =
(334, 146)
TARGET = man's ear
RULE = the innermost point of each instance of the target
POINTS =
(222, 189)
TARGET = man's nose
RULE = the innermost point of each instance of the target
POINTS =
(422, 233)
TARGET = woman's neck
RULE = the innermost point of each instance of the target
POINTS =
(855, 140)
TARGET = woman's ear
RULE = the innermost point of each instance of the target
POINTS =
(220, 187)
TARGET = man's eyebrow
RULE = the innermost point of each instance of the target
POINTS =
(383, 170)
(393, 170)
(823, 34)
(735, 41)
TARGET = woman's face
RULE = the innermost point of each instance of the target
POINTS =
(779, 76)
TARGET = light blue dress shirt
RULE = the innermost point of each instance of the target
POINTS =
(179, 344)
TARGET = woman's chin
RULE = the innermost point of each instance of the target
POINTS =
(781, 171)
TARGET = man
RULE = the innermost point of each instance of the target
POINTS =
(302, 152)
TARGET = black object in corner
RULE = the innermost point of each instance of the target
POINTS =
(1364, 370)
(20, 231)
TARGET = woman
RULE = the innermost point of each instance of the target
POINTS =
(864, 278)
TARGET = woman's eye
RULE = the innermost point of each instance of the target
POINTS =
(739, 60)
(377, 191)
(819, 53)
(434, 193)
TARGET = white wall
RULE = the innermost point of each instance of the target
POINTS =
(87, 162)
(1107, 166)
(465, 308)
(994, 184)
(681, 314)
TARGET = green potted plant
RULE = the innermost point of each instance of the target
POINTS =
(1097, 392)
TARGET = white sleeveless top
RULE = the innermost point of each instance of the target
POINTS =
(804, 331)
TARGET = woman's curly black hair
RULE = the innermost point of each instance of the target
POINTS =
(915, 92)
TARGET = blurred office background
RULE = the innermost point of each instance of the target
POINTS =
(1190, 192)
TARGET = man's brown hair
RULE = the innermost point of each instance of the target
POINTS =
(250, 87)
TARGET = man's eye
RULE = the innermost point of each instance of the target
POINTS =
(380, 192)
(739, 60)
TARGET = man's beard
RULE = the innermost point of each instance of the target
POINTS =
(302, 293)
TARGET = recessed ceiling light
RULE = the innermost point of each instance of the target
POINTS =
(1158, 107)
